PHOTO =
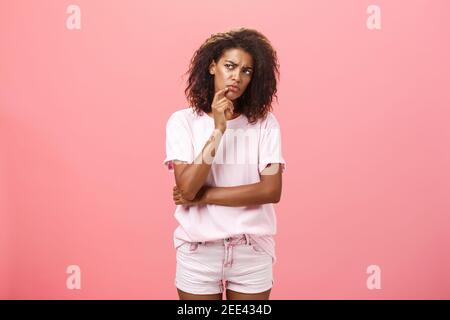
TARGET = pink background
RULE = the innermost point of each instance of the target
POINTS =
(366, 137)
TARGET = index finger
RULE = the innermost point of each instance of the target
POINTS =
(221, 93)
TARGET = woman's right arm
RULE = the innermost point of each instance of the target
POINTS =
(190, 178)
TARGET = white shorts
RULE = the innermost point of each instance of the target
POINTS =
(234, 263)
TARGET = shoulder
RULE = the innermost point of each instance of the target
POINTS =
(270, 121)
(181, 113)
(185, 115)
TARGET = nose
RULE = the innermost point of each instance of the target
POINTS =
(237, 75)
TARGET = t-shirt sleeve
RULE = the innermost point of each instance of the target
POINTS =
(179, 145)
(270, 144)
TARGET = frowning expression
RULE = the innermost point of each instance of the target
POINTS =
(235, 70)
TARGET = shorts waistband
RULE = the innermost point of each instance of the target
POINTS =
(237, 239)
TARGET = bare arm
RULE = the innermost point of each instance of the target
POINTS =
(268, 190)
(190, 178)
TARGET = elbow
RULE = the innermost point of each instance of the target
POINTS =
(188, 196)
(186, 193)
(187, 188)
(275, 195)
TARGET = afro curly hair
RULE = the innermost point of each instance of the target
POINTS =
(256, 101)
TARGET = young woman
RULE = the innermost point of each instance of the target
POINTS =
(225, 150)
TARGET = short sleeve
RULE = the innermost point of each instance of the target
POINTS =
(179, 144)
(270, 144)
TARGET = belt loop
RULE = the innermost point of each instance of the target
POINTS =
(247, 239)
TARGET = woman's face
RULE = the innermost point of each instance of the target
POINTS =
(234, 68)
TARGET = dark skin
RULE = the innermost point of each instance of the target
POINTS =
(230, 294)
(268, 190)
(234, 68)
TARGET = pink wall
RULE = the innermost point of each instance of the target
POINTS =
(365, 125)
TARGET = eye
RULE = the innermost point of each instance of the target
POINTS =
(247, 71)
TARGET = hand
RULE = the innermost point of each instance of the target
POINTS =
(198, 200)
(222, 109)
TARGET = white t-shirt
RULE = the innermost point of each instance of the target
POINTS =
(244, 151)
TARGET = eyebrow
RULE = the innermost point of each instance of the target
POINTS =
(236, 64)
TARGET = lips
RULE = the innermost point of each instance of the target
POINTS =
(233, 88)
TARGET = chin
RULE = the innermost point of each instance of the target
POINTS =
(234, 97)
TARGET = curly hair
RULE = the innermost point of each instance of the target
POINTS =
(256, 101)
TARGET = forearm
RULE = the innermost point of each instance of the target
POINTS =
(194, 175)
(244, 195)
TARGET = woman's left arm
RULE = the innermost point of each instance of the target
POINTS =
(268, 190)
